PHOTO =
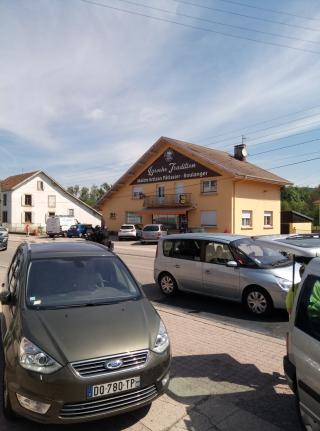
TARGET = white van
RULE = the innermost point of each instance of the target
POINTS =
(302, 362)
(58, 225)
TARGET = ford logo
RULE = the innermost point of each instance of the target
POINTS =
(114, 364)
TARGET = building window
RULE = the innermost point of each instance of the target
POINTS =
(209, 186)
(268, 219)
(4, 199)
(28, 217)
(4, 216)
(208, 218)
(137, 193)
(50, 214)
(40, 185)
(133, 218)
(246, 219)
(71, 212)
(51, 201)
(27, 201)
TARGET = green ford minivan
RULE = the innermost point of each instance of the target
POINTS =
(80, 340)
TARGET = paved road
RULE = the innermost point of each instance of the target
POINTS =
(140, 260)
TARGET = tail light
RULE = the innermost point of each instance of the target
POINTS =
(159, 234)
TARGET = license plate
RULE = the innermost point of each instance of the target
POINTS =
(113, 387)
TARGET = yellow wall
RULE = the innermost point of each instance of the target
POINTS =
(300, 227)
(231, 198)
(257, 197)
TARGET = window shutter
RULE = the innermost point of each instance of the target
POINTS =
(208, 218)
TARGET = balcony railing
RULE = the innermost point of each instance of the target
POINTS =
(173, 201)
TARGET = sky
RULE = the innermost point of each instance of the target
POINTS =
(87, 86)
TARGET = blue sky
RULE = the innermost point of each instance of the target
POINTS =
(86, 89)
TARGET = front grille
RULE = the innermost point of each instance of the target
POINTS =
(96, 367)
(110, 404)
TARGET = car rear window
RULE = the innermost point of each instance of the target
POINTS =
(151, 228)
(127, 226)
(78, 281)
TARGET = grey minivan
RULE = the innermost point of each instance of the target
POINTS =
(80, 339)
(234, 267)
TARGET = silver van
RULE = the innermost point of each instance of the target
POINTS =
(302, 362)
(234, 267)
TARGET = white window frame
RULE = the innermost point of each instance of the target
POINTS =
(52, 201)
(268, 215)
(137, 193)
(40, 185)
(208, 218)
(209, 186)
(246, 219)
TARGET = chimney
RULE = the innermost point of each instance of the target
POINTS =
(240, 152)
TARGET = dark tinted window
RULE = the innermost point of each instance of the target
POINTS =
(78, 281)
(182, 249)
(308, 308)
(151, 228)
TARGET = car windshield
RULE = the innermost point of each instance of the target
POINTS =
(260, 254)
(151, 228)
(127, 226)
(78, 281)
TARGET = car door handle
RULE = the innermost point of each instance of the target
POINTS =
(177, 266)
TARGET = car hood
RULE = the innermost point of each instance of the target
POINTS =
(89, 332)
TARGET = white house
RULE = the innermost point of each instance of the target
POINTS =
(31, 197)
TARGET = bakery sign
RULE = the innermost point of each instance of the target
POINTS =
(173, 166)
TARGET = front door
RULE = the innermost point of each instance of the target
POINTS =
(219, 279)
(179, 192)
(160, 194)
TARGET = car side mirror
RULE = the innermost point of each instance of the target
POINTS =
(5, 297)
(232, 264)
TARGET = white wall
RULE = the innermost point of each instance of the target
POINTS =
(40, 204)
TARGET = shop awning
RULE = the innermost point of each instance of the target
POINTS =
(164, 211)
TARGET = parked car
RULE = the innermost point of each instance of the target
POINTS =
(152, 232)
(4, 237)
(306, 244)
(302, 361)
(130, 231)
(80, 340)
(59, 224)
(233, 267)
(79, 230)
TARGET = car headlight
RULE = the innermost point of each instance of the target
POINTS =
(33, 358)
(162, 341)
(284, 284)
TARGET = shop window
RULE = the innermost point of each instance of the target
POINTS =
(246, 219)
(133, 218)
(208, 218)
(268, 219)
(51, 201)
(209, 186)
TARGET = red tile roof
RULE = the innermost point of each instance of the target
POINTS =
(11, 182)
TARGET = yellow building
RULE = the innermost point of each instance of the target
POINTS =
(187, 186)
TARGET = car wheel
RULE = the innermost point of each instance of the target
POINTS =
(8, 413)
(257, 301)
(168, 284)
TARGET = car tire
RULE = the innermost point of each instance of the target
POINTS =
(168, 284)
(257, 301)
